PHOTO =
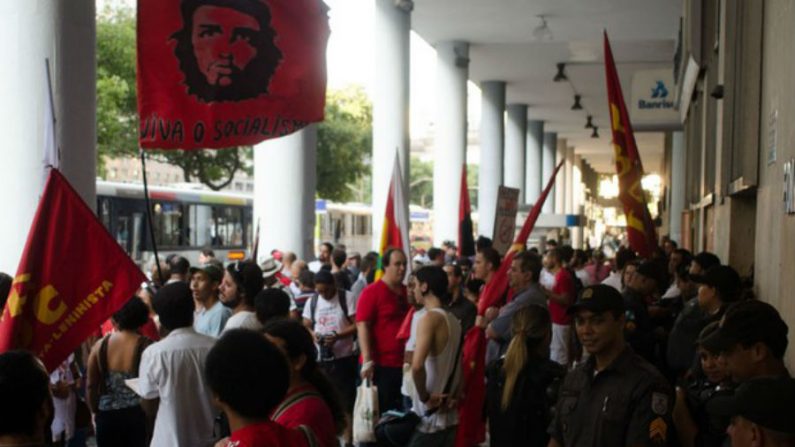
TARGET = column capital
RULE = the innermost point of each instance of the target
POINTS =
(455, 50)
(404, 5)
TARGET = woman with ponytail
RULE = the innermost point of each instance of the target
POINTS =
(519, 394)
(311, 399)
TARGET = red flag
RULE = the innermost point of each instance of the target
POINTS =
(72, 277)
(395, 232)
(466, 241)
(215, 74)
(471, 425)
(640, 227)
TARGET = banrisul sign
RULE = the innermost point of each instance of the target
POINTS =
(659, 97)
(653, 99)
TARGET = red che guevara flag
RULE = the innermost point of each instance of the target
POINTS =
(640, 227)
(471, 427)
(466, 241)
(223, 73)
(72, 277)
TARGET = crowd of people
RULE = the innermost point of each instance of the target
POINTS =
(581, 351)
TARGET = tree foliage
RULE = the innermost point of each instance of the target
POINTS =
(117, 117)
(421, 182)
(117, 113)
(343, 147)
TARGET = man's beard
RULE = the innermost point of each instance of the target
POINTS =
(232, 303)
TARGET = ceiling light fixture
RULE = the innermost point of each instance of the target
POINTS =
(589, 124)
(561, 76)
(595, 133)
(542, 31)
(576, 105)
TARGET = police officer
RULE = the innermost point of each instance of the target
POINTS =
(615, 398)
(707, 381)
(761, 412)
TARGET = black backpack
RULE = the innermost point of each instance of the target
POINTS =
(578, 285)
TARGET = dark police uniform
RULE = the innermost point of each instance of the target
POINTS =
(628, 403)
(711, 427)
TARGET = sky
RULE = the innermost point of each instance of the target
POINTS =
(350, 57)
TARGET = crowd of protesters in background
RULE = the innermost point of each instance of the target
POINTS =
(582, 350)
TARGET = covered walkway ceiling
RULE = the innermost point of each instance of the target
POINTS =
(503, 47)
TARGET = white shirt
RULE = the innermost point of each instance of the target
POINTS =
(411, 343)
(173, 370)
(547, 279)
(585, 278)
(672, 292)
(63, 422)
(245, 319)
(407, 388)
(314, 266)
(329, 318)
(438, 370)
(614, 281)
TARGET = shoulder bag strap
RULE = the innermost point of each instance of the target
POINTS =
(140, 346)
(313, 308)
(288, 403)
(449, 383)
(342, 296)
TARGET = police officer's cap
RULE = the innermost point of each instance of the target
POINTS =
(753, 321)
(599, 298)
(766, 402)
(723, 278)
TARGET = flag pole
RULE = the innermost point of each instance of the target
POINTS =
(51, 105)
(149, 215)
(255, 249)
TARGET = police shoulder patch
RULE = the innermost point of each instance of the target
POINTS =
(659, 403)
(658, 431)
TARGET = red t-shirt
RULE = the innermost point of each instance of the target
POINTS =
(266, 434)
(564, 285)
(385, 311)
(312, 412)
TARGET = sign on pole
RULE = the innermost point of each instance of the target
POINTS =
(505, 218)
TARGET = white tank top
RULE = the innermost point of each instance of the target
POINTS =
(437, 370)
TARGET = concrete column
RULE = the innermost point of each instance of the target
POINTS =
(492, 134)
(677, 188)
(75, 95)
(560, 180)
(390, 103)
(286, 162)
(35, 30)
(569, 166)
(451, 137)
(534, 166)
(515, 145)
(548, 167)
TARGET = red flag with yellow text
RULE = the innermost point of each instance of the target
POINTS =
(472, 428)
(640, 227)
(223, 73)
(71, 278)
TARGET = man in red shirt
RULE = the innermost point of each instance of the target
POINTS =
(380, 312)
(561, 296)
